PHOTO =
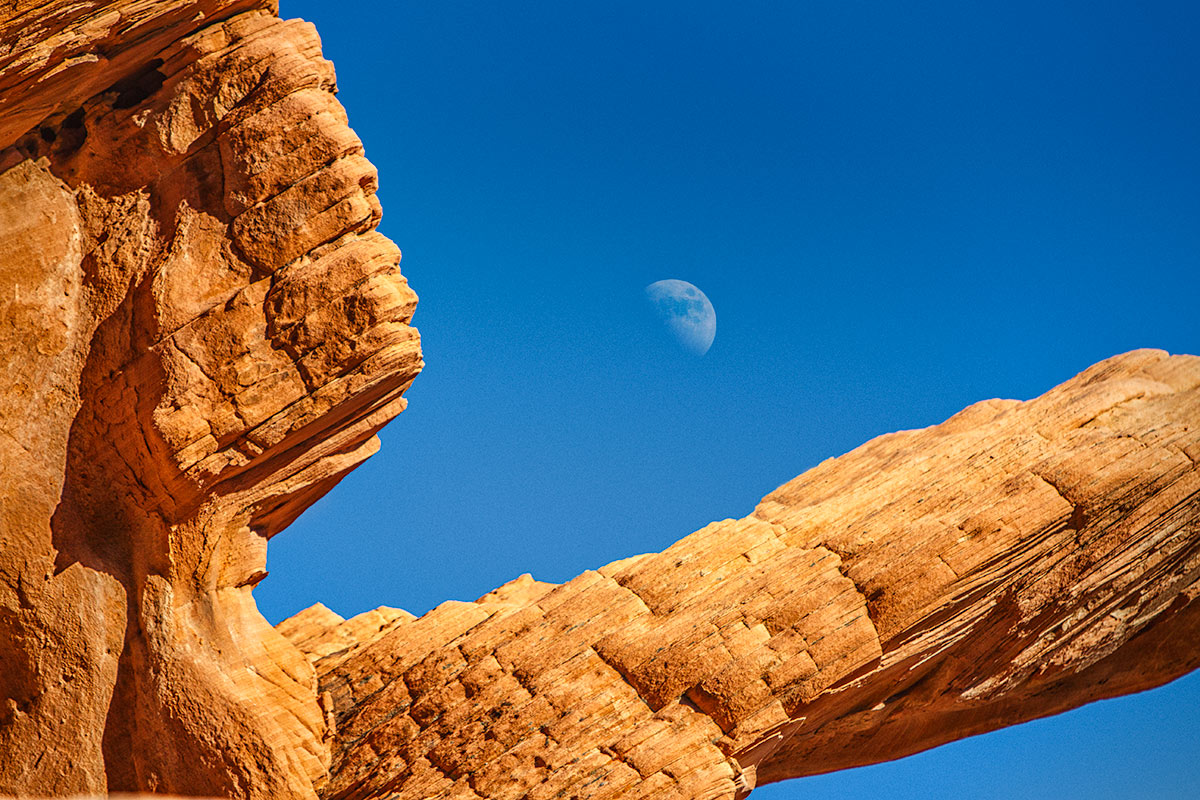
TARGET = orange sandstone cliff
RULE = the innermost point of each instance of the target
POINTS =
(202, 334)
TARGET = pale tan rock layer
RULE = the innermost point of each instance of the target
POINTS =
(1015, 561)
(201, 335)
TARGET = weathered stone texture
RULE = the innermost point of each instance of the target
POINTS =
(201, 335)
(1015, 561)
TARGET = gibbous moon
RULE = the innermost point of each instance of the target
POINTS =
(686, 312)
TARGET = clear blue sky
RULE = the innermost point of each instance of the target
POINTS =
(897, 209)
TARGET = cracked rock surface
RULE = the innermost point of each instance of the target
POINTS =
(201, 334)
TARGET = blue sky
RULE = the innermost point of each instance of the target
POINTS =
(895, 209)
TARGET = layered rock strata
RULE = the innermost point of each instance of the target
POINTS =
(1015, 561)
(201, 335)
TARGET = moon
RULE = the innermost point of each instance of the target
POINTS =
(686, 312)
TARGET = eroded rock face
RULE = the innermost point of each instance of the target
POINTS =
(1015, 561)
(202, 334)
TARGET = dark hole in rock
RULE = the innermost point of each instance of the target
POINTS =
(136, 88)
(70, 134)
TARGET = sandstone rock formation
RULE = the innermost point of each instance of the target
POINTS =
(1015, 561)
(202, 334)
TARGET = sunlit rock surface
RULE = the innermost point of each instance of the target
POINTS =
(1015, 561)
(201, 334)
